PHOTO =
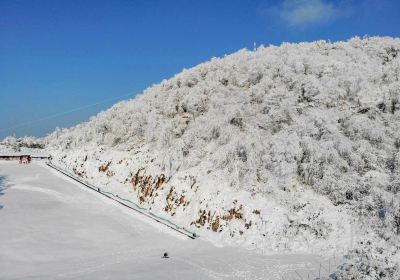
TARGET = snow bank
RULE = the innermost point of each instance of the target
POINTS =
(289, 148)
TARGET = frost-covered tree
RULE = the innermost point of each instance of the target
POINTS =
(297, 142)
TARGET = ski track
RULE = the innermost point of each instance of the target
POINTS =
(97, 239)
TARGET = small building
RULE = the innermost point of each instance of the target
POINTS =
(12, 157)
(22, 157)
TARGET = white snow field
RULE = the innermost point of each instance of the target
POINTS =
(52, 227)
(287, 149)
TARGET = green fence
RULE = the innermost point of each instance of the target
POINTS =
(127, 203)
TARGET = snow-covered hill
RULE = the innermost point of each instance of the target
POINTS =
(289, 148)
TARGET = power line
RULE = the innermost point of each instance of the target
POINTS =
(65, 112)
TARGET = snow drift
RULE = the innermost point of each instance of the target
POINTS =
(289, 148)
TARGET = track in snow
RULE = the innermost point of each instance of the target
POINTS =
(52, 228)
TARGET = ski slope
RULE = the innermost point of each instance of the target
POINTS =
(288, 149)
(53, 228)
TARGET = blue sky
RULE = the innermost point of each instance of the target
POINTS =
(56, 56)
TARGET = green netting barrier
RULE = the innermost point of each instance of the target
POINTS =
(123, 201)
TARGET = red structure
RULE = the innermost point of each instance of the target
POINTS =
(12, 157)
(25, 159)
(21, 158)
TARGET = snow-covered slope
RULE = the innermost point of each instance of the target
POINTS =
(289, 148)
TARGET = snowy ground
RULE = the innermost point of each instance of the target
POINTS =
(53, 228)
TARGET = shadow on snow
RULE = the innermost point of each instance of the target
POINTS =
(3, 187)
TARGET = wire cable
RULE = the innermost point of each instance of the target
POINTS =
(65, 112)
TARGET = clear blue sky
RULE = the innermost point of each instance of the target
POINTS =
(59, 55)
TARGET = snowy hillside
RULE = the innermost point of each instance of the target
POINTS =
(289, 148)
